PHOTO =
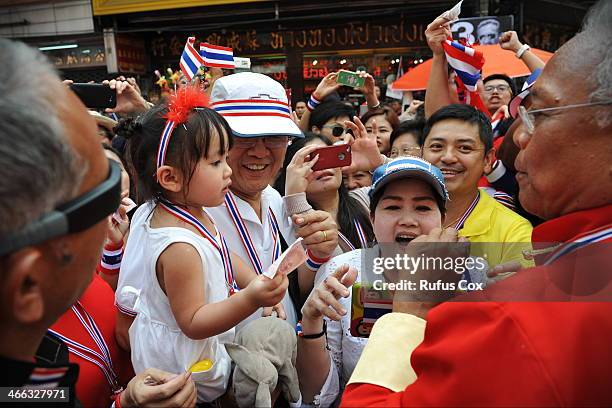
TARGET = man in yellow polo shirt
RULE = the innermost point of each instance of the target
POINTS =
(458, 140)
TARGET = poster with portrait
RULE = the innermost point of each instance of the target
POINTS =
(482, 30)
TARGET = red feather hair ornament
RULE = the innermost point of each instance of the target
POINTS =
(184, 101)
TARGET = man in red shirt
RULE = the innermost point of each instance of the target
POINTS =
(552, 349)
(58, 188)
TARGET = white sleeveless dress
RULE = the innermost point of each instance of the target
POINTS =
(155, 338)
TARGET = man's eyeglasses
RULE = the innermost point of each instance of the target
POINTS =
(500, 88)
(337, 130)
(529, 117)
(74, 216)
(272, 142)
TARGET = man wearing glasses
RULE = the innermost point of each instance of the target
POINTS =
(553, 350)
(251, 219)
(58, 189)
(498, 89)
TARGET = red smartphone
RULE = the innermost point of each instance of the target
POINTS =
(331, 157)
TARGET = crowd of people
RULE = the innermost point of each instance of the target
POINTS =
(135, 254)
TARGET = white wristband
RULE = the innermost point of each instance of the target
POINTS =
(522, 50)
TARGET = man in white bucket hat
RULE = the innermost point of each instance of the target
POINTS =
(251, 218)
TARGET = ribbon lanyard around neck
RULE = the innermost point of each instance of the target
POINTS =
(103, 359)
(467, 212)
(360, 233)
(598, 235)
(220, 246)
(245, 236)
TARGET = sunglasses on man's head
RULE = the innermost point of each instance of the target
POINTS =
(74, 216)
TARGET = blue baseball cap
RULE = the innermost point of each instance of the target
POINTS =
(409, 167)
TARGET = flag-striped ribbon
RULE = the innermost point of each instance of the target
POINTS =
(46, 377)
(252, 107)
(164, 141)
(590, 237)
(219, 245)
(245, 236)
(467, 213)
(101, 359)
(467, 62)
(362, 239)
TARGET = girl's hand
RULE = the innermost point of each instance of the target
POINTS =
(323, 300)
(278, 308)
(364, 147)
(263, 291)
(327, 85)
(299, 172)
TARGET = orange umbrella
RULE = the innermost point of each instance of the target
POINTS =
(497, 61)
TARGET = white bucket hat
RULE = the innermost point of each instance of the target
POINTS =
(254, 105)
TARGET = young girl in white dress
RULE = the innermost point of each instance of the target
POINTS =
(190, 299)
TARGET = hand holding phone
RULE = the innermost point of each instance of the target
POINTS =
(331, 157)
(95, 96)
(350, 78)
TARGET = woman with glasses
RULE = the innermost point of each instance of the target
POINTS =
(328, 119)
(405, 139)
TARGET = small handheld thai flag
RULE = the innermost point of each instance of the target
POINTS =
(217, 56)
(191, 60)
(467, 63)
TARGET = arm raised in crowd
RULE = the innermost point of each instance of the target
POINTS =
(509, 41)
(327, 85)
(438, 92)
(129, 99)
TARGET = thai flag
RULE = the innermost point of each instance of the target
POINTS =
(467, 63)
(217, 56)
(252, 107)
(191, 61)
(497, 118)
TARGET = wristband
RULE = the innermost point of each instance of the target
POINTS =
(110, 262)
(522, 50)
(313, 263)
(374, 107)
(312, 103)
(301, 334)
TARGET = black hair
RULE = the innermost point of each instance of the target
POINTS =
(385, 111)
(504, 77)
(189, 143)
(349, 209)
(329, 110)
(465, 113)
(414, 127)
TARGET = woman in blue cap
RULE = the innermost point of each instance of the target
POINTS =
(407, 200)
